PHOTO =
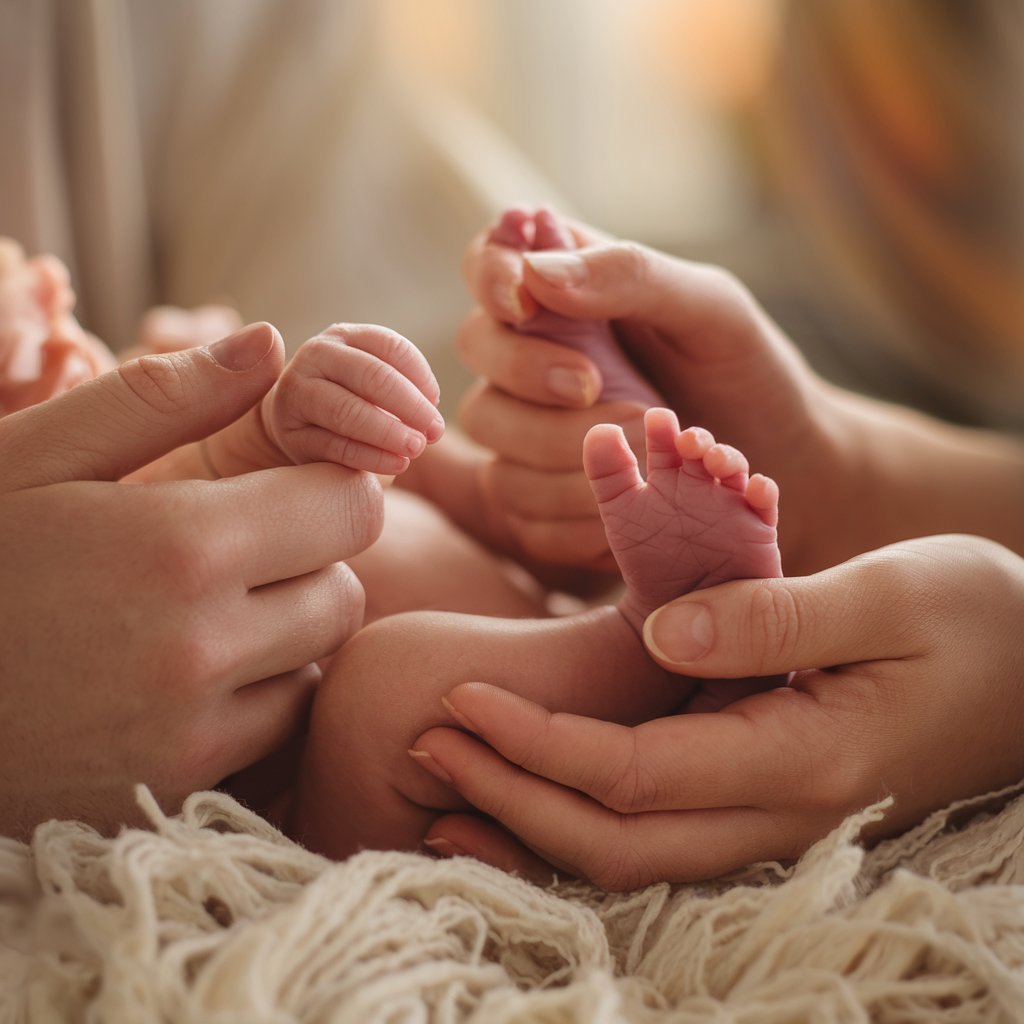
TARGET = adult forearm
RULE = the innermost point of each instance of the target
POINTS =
(915, 476)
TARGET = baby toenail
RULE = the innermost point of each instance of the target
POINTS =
(680, 633)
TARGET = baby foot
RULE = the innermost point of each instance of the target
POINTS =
(527, 232)
(43, 350)
(698, 520)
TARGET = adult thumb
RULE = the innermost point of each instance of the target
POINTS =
(628, 281)
(107, 427)
(851, 612)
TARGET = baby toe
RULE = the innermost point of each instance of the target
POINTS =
(694, 443)
(728, 464)
(763, 497)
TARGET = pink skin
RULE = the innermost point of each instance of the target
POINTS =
(697, 520)
(43, 350)
(358, 395)
(540, 232)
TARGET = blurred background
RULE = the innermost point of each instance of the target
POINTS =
(859, 163)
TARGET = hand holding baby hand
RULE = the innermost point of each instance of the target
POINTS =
(357, 395)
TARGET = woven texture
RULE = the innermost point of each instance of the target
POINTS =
(214, 916)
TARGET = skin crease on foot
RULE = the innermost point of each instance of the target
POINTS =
(683, 528)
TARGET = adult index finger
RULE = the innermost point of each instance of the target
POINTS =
(289, 521)
(746, 755)
(615, 851)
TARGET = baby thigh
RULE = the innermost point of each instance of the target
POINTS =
(359, 788)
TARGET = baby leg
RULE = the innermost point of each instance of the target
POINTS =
(697, 520)
(542, 231)
(359, 788)
(422, 561)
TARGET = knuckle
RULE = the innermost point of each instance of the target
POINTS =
(725, 284)
(157, 381)
(531, 751)
(627, 786)
(380, 379)
(361, 508)
(393, 346)
(614, 865)
(632, 791)
(775, 619)
(195, 660)
(349, 604)
(352, 416)
(633, 260)
(186, 563)
(320, 350)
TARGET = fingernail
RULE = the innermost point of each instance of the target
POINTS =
(512, 305)
(425, 760)
(562, 269)
(444, 848)
(570, 385)
(415, 442)
(459, 716)
(245, 348)
(680, 633)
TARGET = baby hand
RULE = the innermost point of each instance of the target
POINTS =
(357, 395)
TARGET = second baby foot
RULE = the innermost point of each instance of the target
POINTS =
(698, 520)
(542, 232)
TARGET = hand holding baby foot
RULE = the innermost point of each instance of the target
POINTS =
(533, 482)
(357, 395)
(907, 683)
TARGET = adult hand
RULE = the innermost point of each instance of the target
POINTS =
(693, 329)
(160, 632)
(908, 666)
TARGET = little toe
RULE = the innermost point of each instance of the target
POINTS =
(661, 429)
(729, 465)
(763, 498)
(609, 462)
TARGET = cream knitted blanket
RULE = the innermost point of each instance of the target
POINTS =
(214, 916)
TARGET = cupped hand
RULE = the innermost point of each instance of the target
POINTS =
(160, 633)
(907, 669)
(694, 331)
